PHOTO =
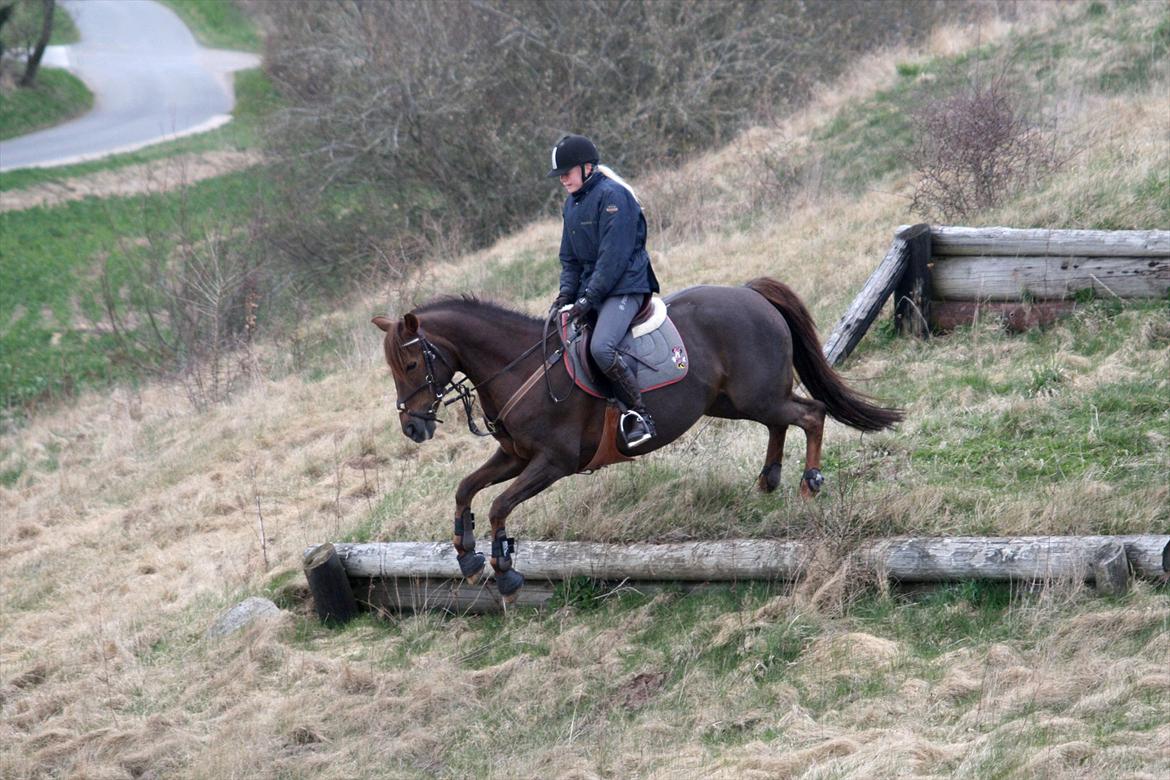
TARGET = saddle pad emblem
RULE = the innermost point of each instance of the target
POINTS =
(679, 357)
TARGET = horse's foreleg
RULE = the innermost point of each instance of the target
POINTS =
(770, 475)
(535, 477)
(499, 467)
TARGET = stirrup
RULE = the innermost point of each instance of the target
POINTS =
(647, 428)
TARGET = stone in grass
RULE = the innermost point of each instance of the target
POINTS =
(243, 614)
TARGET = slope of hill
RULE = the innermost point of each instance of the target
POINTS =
(131, 520)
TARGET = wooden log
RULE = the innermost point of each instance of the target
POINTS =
(914, 290)
(865, 307)
(329, 585)
(1016, 317)
(947, 559)
(922, 559)
(955, 240)
(1111, 570)
(1000, 278)
(459, 598)
(730, 560)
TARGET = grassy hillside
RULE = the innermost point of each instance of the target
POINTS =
(55, 96)
(131, 520)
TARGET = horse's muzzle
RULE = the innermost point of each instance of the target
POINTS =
(418, 430)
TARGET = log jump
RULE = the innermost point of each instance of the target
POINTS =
(412, 576)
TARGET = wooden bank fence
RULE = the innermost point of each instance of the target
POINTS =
(942, 277)
(411, 576)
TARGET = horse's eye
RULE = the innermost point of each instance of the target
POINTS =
(411, 366)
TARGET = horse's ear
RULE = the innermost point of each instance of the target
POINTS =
(411, 323)
(384, 323)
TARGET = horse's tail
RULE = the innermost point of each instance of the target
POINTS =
(824, 384)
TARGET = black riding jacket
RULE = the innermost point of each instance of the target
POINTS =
(603, 243)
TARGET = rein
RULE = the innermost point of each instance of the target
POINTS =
(464, 390)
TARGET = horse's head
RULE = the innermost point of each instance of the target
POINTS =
(421, 374)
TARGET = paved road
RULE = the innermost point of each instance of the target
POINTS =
(150, 80)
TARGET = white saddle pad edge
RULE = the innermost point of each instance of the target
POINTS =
(654, 322)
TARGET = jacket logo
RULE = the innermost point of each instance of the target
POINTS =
(611, 209)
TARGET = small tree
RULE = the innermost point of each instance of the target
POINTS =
(34, 59)
(974, 150)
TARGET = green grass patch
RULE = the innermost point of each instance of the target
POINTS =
(54, 338)
(54, 97)
(218, 24)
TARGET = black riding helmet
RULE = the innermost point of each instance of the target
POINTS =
(571, 151)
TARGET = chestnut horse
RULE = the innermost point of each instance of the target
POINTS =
(744, 345)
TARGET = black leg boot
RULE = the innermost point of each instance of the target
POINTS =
(636, 425)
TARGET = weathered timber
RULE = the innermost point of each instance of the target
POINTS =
(865, 307)
(955, 240)
(458, 597)
(329, 584)
(946, 559)
(736, 559)
(1111, 570)
(1016, 317)
(922, 559)
(913, 292)
(1002, 278)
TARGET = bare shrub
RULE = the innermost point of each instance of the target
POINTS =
(975, 150)
(443, 113)
(187, 303)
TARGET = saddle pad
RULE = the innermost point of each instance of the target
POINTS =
(658, 358)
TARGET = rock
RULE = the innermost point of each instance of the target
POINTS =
(243, 614)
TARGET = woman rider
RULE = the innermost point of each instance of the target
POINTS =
(604, 267)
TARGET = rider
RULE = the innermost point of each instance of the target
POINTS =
(604, 266)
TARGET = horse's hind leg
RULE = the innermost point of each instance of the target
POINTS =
(499, 467)
(770, 474)
(809, 416)
(812, 421)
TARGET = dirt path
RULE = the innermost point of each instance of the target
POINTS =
(155, 177)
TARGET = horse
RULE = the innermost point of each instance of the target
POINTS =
(746, 345)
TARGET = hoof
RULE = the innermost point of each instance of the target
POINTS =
(471, 566)
(769, 478)
(811, 483)
(509, 582)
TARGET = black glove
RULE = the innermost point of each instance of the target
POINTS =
(564, 299)
(581, 307)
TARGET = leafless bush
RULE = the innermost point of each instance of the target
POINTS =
(446, 111)
(975, 150)
(189, 307)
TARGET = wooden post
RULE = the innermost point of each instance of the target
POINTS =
(865, 307)
(329, 584)
(1111, 570)
(913, 292)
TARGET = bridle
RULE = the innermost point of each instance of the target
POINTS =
(429, 352)
(464, 390)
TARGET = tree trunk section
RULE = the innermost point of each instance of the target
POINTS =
(329, 584)
(1002, 278)
(865, 307)
(1013, 242)
(913, 292)
(1111, 570)
(34, 61)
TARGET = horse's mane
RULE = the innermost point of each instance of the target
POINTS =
(472, 304)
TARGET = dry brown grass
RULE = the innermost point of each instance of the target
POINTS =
(133, 524)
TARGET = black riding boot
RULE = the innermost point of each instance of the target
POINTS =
(636, 425)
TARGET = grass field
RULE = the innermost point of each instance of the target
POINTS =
(55, 96)
(218, 24)
(132, 519)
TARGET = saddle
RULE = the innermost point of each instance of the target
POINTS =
(653, 348)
